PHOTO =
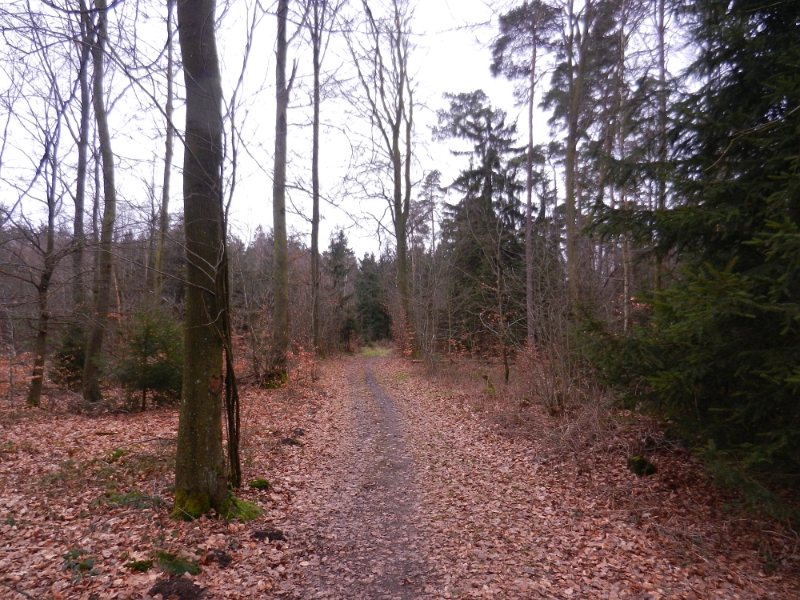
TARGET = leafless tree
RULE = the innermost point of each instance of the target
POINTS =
(381, 57)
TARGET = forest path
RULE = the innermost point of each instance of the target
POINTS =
(421, 493)
(365, 536)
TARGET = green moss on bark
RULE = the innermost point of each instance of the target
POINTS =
(190, 505)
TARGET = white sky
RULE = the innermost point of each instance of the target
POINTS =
(451, 55)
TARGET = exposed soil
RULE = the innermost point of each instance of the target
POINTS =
(395, 484)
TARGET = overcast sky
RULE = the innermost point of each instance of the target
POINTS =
(451, 54)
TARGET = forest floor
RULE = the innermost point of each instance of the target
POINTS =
(386, 481)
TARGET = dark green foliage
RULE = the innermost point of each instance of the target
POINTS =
(169, 563)
(68, 359)
(340, 266)
(152, 355)
(140, 566)
(525, 29)
(481, 233)
(374, 322)
(259, 484)
(720, 352)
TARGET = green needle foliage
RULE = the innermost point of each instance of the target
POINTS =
(720, 353)
(152, 357)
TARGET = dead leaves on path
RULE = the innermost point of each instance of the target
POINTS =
(504, 516)
(513, 518)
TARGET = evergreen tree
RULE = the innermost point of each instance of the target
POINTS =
(482, 231)
(723, 349)
(340, 266)
(374, 321)
(152, 358)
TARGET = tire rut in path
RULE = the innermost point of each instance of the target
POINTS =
(367, 539)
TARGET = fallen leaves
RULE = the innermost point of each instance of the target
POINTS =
(414, 488)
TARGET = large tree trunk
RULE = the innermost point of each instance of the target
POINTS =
(280, 273)
(200, 481)
(91, 369)
(163, 225)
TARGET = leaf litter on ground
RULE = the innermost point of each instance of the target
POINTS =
(497, 512)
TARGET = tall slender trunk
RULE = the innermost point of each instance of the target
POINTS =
(408, 115)
(43, 287)
(280, 273)
(78, 234)
(529, 291)
(163, 225)
(91, 369)
(200, 478)
(316, 40)
(577, 40)
(661, 200)
(627, 267)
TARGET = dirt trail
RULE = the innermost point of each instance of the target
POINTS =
(367, 541)
(422, 496)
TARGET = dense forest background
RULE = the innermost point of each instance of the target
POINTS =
(651, 243)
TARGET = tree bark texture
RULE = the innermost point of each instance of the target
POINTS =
(280, 273)
(91, 369)
(200, 480)
(43, 287)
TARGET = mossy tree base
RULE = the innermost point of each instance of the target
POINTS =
(190, 506)
(275, 378)
(243, 511)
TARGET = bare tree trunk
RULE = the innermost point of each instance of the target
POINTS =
(91, 369)
(280, 273)
(529, 291)
(78, 234)
(401, 54)
(43, 288)
(387, 88)
(316, 41)
(163, 225)
(200, 479)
